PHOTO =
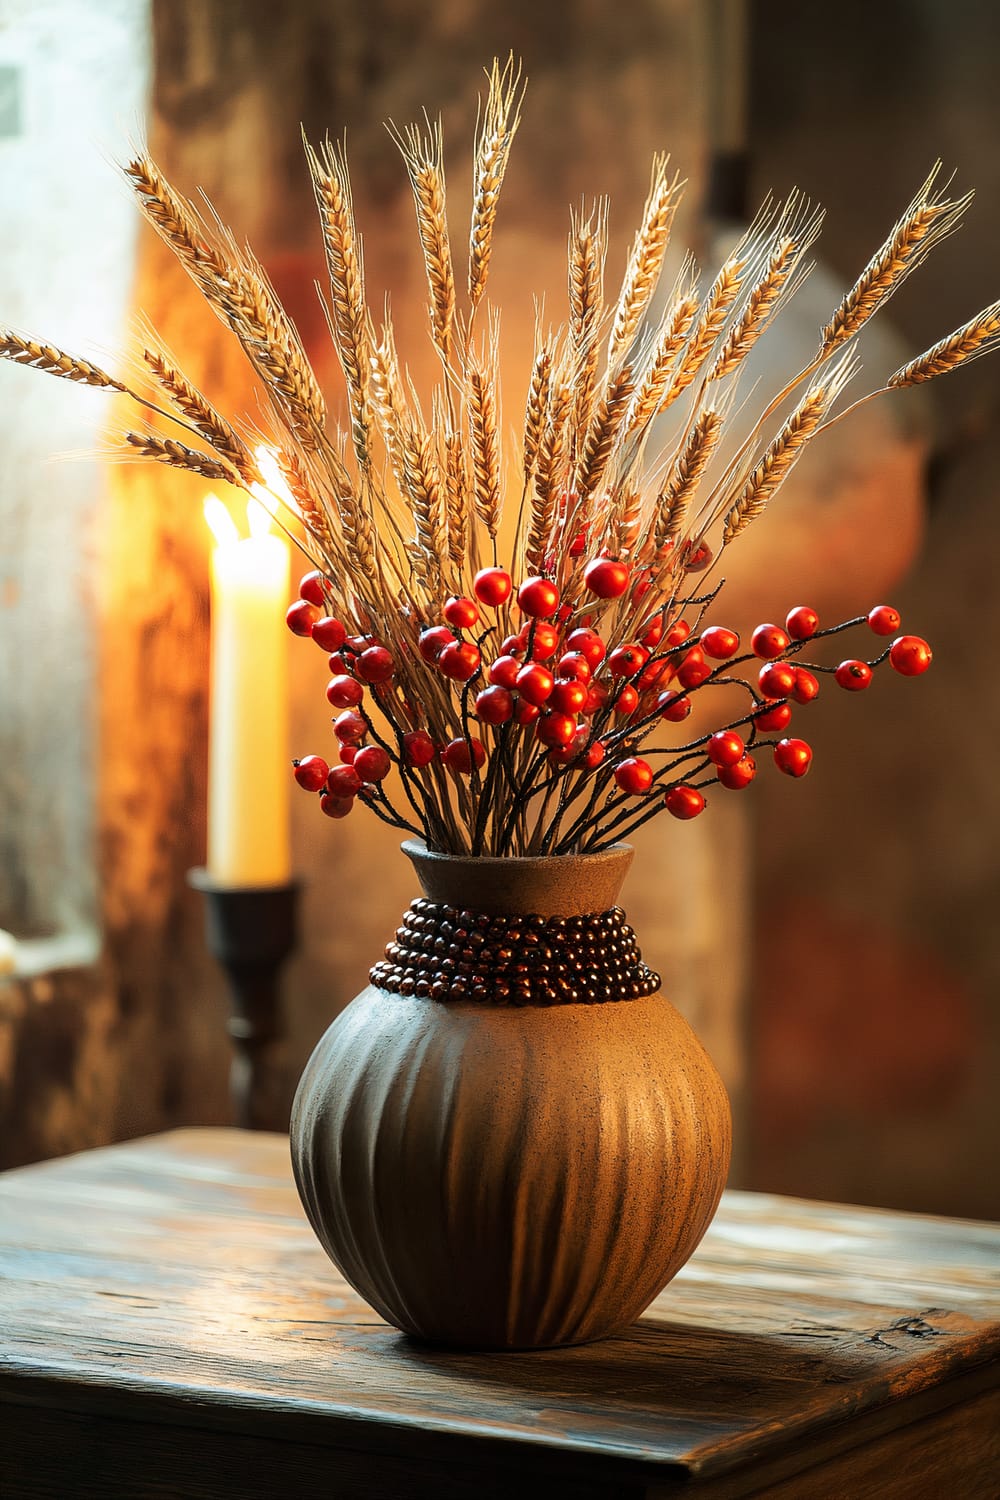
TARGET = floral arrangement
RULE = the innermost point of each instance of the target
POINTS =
(521, 635)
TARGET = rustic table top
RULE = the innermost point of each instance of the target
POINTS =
(169, 1326)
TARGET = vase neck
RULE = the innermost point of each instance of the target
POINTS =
(566, 885)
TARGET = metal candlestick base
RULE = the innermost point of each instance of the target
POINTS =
(251, 930)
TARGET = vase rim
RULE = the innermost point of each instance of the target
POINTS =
(543, 884)
(417, 849)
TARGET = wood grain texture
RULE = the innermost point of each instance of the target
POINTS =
(169, 1325)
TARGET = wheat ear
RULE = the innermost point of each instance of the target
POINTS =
(975, 338)
(657, 373)
(603, 432)
(549, 478)
(587, 250)
(674, 500)
(497, 127)
(484, 425)
(927, 221)
(180, 456)
(54, 361)
(201, 414)
(782, 454)
(345, 271)
(536, 409)
(646, 259)
(710, 322)
(424, 159)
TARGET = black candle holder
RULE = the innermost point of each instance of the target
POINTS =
(251, 930)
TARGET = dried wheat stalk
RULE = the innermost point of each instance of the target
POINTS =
(484, 427)
(646, 259)
(651, 392)
(587, 250)
(712, 319)
(497, 128)
(973, 339)
(456, 493)
(424, 159)
(180, 456)
(599, 444)
(673, 503)
(201, 415)
(927, 221)
(549, 478)
(536, 408)
(345, 270)
(54, 361)
(781, 455)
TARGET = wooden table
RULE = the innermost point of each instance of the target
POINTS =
(169, 1327)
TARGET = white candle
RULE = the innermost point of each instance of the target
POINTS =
(248, 830)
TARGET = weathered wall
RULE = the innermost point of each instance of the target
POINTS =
(877, 1028)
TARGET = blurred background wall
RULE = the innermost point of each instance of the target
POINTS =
(834, 941)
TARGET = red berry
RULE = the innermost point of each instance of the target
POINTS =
(674, 707)
(884, 620)
(350, 728)
(652, 632)
(535, 683)
(725, 748)
(627, 700)
(769, 641)
(544, 641)
(684, 802)
(459, 661)
(492, 586)
(329, 633)
(652, 673)
(720, 643)
(461, 612)
(495, 705)
(588, 643)
(433, 641)
(556, 729)
(301, 616)
(793, 757)
(375, 664)
(806, 686)
(568, 696)
(910, 655)
(574, 664)
(776, 680)
(418, 747)
(336, 807)
(311, 772)
(525, 712)
(311, 588)
(802, 622)
(594, 754)
(634, 776)
(538, 597)
(738, 776)
(347, 754)
(778, 716)
(344, 781)
(372, 763)
(457, 757)
(344, 692)
(606, 577)
(625, 661)
(853, 675)
(514, 645)
(694, 669)
(678, 633)
(503, 672)
(598, 697)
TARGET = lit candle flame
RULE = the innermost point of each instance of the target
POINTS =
(220, 522)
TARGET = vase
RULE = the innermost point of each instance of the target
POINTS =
(510, 1139)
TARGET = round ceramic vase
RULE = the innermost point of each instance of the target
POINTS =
(529, 1165)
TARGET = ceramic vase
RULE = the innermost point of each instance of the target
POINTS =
(510, 1139)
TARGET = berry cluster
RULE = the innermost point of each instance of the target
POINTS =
(531, 699)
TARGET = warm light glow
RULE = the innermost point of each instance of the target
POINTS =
(258, 516)
(220, 522)
(274, 479)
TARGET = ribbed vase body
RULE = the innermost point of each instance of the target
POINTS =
(511, 1175)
